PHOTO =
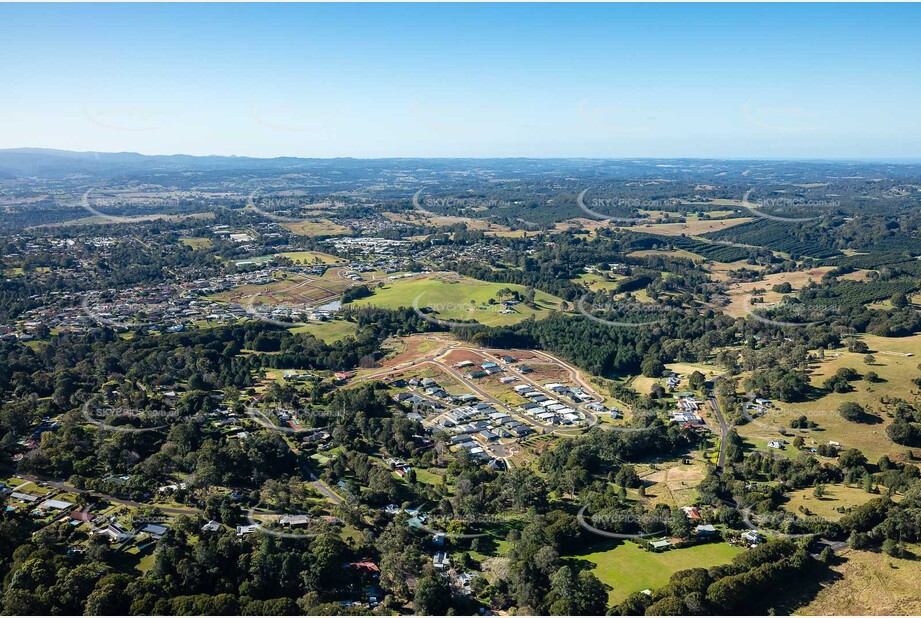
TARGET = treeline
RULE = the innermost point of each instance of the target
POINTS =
(748, 585)
(605, 349)
(193, 573)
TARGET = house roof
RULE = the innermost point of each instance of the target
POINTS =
(58, 505)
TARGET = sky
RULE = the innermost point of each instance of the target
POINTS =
(465, 80)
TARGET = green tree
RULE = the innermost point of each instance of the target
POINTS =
(433, 596)
(697, 381)
(851, 411)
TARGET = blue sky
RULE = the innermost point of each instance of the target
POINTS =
(497, 80)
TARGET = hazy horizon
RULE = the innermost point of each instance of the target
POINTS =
(893, 160)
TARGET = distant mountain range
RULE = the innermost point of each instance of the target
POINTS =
(50, 163)
(17, 162)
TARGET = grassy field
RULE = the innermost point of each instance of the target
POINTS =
(451, 296)
(311, 257)
(628, 568)
(869, 584)
(419, 218)
(595, 282)
(686, 369)
(675, 485)
(330, 331)
(691, 228)
(319, 227)
(676, 253)
(581, 223)
(96, 220)
(197, 243)
(509, 233)
(292, 292)
(643, 385)
(896, 371)
(424, 475)
(835, 496)
(740, 293)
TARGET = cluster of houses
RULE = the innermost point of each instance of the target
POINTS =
(112, 530)
(474, 418)
(399, 467)
(35, 437)
(475, 252)
(441, 560)
(490, 427)
(40, 505)
(483, 370)
(175, 305)
(368, 245)
(58, 509)
(688, 412)
(703, 532)
(429, 387)
(167, 306)
(548, 410)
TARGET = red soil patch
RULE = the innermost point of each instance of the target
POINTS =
(456, 356)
